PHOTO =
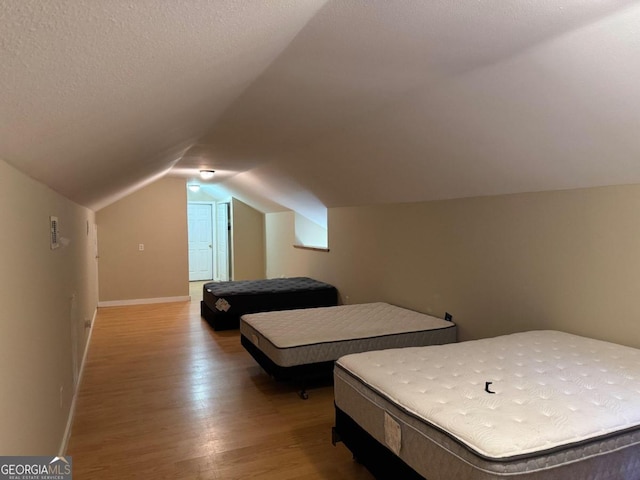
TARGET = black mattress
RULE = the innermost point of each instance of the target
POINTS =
(223, 303)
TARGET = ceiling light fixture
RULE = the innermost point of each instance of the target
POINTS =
(193, 187)
(206, 174)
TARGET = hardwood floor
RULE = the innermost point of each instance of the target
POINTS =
(195, 290)
(164, 396)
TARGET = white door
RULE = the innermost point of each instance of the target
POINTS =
(200, 241)
(222, 241)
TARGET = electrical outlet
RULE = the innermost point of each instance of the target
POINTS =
(141, 247)
(87, 324)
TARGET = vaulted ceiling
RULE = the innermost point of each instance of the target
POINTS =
(305, 104)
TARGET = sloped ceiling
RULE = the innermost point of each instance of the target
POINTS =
(312, 104)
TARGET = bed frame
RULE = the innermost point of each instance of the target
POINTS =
(378, 459)
(302, 345)
(385, 465)
(304, 376)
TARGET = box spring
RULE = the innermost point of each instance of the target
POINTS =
(295, 343)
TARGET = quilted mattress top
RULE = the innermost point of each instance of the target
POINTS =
(292, 328)
(271, 285)
(548, 389)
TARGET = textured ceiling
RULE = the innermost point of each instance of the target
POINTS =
(305, 104)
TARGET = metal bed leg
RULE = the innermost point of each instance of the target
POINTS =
(335, 436)
(303, 382)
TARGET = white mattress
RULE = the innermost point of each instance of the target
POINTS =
(552, 390)
(311, 335)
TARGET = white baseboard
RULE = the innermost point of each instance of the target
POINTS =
(143, 301)
(72, 410)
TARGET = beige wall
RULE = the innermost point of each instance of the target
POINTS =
(566, 260)
(283, 260)
(155, 216)
(46, 295)
(248, 242)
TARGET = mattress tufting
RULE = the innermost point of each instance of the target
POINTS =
(271, 285)
(346, 322)
(548, 390)
(305, 336)
(223, 303)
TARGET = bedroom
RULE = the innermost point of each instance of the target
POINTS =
(501, 259)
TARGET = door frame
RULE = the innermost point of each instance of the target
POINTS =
(212, 204)
(227, 234)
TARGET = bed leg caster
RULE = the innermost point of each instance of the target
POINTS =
(335, 436)
(303, 394)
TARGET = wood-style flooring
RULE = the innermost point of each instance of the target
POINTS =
(163, 396)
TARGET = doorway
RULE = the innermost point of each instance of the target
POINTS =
(208, 230)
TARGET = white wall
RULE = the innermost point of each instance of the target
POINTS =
(309, 233)
(46, 295)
